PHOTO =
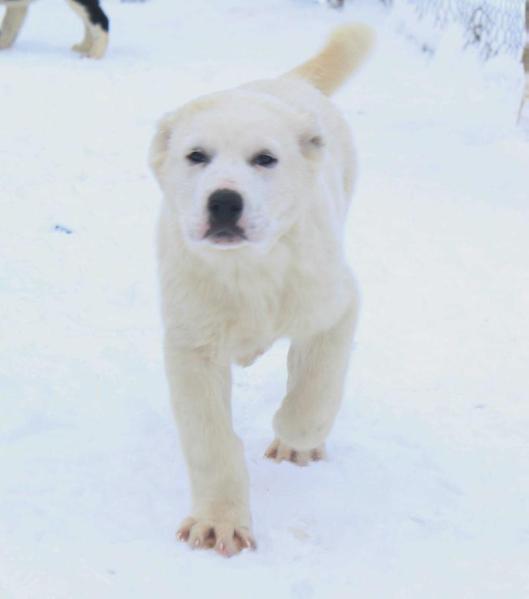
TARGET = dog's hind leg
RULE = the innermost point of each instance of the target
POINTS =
(316, 373)
(95, 41)
(84, 46)
(13, 20)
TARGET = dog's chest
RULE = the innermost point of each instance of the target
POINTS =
(254, 324)
(261, 315)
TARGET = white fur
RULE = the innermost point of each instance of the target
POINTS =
(288, 279)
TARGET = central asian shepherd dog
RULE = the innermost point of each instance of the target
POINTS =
(256, 185)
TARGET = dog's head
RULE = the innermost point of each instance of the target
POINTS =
(236, 167)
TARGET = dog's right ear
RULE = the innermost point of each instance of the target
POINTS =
(160, 144)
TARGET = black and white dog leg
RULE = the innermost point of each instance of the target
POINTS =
(96, 24)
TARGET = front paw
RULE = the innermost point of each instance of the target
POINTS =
(279, 451)
(227, 538)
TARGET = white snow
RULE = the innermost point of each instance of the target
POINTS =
(426, 491)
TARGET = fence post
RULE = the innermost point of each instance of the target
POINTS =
(525, 60)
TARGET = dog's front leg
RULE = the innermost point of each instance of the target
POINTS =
(200, 391)
(317, 368)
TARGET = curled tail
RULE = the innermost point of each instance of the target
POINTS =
(346, 49)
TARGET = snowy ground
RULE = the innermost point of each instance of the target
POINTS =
(425, 494)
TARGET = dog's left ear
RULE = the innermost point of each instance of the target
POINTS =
(310, 139)
(311, 145)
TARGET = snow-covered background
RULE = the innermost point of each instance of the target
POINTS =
(426, 491)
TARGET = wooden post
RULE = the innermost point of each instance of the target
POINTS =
(525, 60)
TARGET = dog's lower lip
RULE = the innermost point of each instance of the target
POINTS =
(225, 236)
(226, 240)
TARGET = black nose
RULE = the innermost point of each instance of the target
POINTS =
(224, 207)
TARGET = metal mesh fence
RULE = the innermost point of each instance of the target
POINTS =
(493, 26)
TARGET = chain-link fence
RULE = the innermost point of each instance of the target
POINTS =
(492, 26)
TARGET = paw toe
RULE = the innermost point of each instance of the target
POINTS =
(278, 451)
(225, 538)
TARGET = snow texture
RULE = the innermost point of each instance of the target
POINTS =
(425, 493)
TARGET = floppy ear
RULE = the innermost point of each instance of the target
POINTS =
(310, 139)
(166, 127)
(160, 144)
(311, 145)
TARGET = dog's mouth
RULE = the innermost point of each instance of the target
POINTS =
(226, 236)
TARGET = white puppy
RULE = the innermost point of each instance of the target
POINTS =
(256, 183)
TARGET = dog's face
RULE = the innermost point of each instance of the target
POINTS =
(235, 167)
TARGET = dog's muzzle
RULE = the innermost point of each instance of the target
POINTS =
(225, 207)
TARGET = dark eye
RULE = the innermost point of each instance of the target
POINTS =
(198, 157)
(264, 159)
